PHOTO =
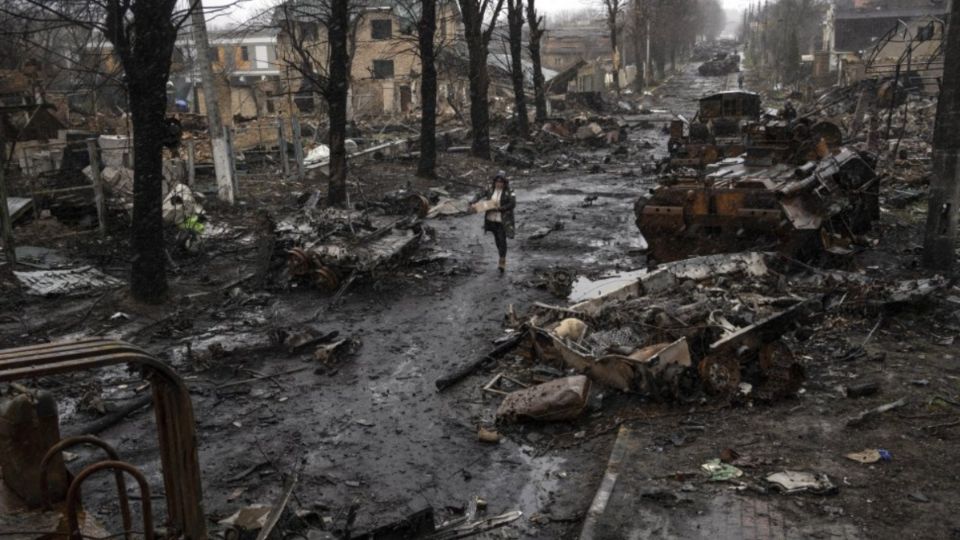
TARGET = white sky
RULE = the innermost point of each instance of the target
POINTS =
(243, 9)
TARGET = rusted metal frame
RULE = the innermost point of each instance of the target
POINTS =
(74, 493)
(174, 414)
(66, 345)
(112, 454)
(62, 190)
(79, 349)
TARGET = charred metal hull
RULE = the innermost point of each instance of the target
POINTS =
(803, 211)
(720, 66)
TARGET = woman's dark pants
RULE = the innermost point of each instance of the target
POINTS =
(499, 236)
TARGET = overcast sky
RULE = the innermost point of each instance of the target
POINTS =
(246, 8)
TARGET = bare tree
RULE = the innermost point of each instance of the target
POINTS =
(479, 21)
(940, 240)
(319, 35)
(142, 33)
(536, 24)
(429, 16)
(427, 29)
(612, 11)
(338, 28)
(515, 20)
(640, 20)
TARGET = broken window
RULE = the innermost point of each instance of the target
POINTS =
(381, 29)
(383, 69)
(244, 54)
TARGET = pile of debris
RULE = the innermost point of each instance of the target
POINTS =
(591, 131)
(329, 248)
(705, 324)
(723, 327)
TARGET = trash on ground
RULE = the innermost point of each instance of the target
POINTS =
(799, 482)
(718, 471)
(560, 399)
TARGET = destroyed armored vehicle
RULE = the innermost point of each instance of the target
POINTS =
(721, 64)
(716, 132)
(802, 199)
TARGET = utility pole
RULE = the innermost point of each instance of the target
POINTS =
(647, 65)
(940, 240)
(221, 147)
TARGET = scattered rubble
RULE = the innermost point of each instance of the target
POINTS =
(329, 248)
(80, 281)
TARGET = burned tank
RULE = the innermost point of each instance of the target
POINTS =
(803, 198)
(716, 132)
(721, 64)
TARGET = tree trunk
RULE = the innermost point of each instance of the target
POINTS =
(615, 53)
(638, 51)
(536, 32)
(336, 94)
(146, 62)
(940, 239)
(148, 281)
(478, 42)
(479, 101)
(428, 91)
(515, 23)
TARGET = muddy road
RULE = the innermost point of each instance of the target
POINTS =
(372, 430)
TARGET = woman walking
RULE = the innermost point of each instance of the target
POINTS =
(497, 203)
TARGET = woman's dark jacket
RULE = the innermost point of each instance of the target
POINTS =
(508, 202)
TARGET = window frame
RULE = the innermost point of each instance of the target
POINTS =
(379, 74)
(378, 24)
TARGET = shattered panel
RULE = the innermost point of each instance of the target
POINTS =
(81, 281)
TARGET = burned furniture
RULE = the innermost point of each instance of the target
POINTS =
(176, 430)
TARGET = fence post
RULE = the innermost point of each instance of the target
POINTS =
(282, 143)
(191, 161)
(97, 185)
(6, 227)
(297, 146)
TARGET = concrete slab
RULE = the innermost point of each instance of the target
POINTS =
(642, 496)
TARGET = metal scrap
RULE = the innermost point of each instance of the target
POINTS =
(80, 281)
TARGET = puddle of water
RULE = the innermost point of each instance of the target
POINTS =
(546, 473)
(585, 289)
